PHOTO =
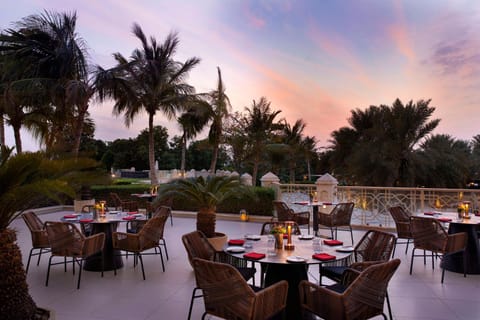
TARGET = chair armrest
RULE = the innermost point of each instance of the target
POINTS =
(271, 300)
(93, 244)
(456, 242)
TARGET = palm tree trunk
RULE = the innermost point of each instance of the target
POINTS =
(206, 221)
(256, 162)
(18, 139)
(78, 130)
(2, 130)
(184, 152)
(213, 164)
(151, 151)
(16, 300)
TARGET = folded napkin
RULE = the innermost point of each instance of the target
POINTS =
(327, 203)
(302, 202)
(69, 216)
(254, 255)
(285, 236)
(323, 256)
(332, 242)
(429, 213)
(236, 242)
(132, 212)
(444, 219)
(129, 218)
(86, 220)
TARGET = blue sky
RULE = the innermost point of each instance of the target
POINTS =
(316, 60)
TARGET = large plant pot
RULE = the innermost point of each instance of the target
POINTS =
(219, 241)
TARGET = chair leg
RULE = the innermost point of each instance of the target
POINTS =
(164, 244)
(80, 273)
(411, 260)
(191, 301)
(394, 247)
(388, 306)
(39, 256)
(161, 257)
(141, 264)
(406, 248)
(351, 233)
(28, 262)
(48, 270)
(464, 264)
(171, 221)
(443, 274)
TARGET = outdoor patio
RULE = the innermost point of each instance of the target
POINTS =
(166, 295)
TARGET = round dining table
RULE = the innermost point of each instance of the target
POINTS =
(289, 265)
(107, 224)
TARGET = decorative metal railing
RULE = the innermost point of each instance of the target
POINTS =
(372, 203)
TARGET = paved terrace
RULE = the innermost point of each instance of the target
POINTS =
(166, 295)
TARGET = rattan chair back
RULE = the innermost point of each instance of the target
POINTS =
(402, 222)
(37, 231)
(65, 239)
(226, 294)
(362, 299)
(375, 245)
(429, 234)
(341, 215)
(197, 246)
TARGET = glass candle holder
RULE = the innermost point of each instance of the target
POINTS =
(289, 226)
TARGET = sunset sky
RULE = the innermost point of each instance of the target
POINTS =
(313, 59)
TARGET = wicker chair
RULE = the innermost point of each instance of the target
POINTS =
(67, 241)
(375, 245)
(361, 295)
(285, 213)
(402, 223)
(152, 207)
(429, 235)
(197, 246)
(226, 294)
(39, 236)
(137, 243)
(340, 216)
(134, 226)
(123, 205)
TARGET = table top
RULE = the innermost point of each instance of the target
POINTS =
(110, 217)
(303, 251)
(314, 203)
(451, 215)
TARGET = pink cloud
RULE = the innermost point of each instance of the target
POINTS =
(399, 34)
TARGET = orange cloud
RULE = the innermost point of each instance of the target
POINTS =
(399, 34)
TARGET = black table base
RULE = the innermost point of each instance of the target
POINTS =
(454, 262)
(112, 257)
(293, 273)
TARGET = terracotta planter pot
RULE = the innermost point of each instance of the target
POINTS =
(219, 241)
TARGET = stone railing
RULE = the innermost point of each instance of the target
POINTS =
(372, 203)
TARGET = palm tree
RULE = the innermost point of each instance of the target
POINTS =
(46, 53)
(192, 123)
(27, 179)
(308, 147)
(206, 194)
(150, 81)
(260, 125)
(220, 109)
(292, 137)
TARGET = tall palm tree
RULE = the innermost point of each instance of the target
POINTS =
(220, 109)
(292, 137)
(149, 81)
(260, 125)
(192, 123)
(47, 54)
(308, 148)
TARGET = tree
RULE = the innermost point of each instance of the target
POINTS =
(220, 108)
(259, 127)
(45, 56)
(292, 137)
(150, 81)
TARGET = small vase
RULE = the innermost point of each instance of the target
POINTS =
(279, 240)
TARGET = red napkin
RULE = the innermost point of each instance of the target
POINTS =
(323, 256)
(444, 219)
(132, 212)
(86, 220)
(285, 236)
(327, 203)
(429, 213)
(332, 242)
(69, 216)
(254, 255)
(236, 242)
(129, 218)
(302, 202)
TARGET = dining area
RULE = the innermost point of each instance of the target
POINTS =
(168, 294)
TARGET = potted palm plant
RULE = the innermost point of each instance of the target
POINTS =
(206, 194)
(27, 179)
